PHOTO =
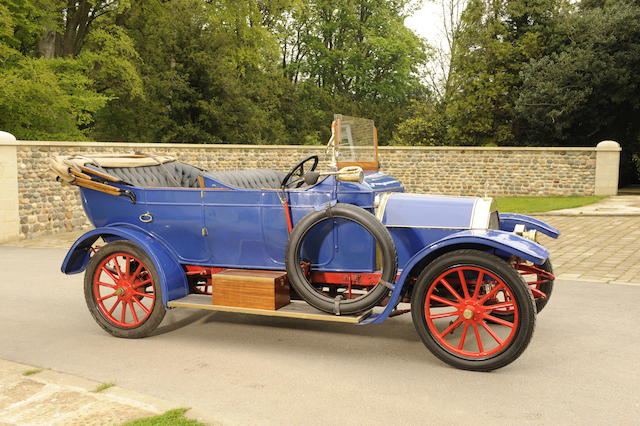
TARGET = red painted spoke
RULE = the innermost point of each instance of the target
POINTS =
(451, 327)
(113, 277)
(500, 321)
(106, 297)
(478, 338)
(491, 293)
(113, 308)
(133, 311)
(444, 315)
(143, 294)
(107, 285)
(502, 305)
(143, 283)
(463, 283)
(464, 335)
(138, 270)
(451, 290)
(478, 284)
(445, 301)
(117, 265)
(144, 308)
(127, 266)
(123, 313)
(491, 332)
(537, 293)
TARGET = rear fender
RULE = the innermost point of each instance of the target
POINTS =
(173, 280)
(503, 243)
(508, 222)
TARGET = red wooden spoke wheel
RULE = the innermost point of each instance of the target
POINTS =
(470, 310)
(122, 290)
(453, 307)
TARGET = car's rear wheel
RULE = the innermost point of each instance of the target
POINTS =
(453, 304)
(122, 290)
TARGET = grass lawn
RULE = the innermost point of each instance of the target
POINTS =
(542, 204)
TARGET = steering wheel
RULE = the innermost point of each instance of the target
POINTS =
(298, 170)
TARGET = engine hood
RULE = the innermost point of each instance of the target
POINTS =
(433, 211)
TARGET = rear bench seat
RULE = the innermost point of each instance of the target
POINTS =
(180, 175)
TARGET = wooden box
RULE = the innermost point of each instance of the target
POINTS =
(251, 289)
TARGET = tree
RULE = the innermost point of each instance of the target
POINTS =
(357, 52)
(58, 84)
(588, 91)
(498, 38)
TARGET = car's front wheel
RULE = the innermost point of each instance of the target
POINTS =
(122, 290)
(452, 306)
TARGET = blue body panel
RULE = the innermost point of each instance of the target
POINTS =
(508, 221)
(229, 227)
(408, 210)
(172, 277)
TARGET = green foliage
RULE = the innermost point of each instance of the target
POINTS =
(425, 126)
(44, 99)
(588, 90)
(103, 386)
(170, 418)
(271, 72)
(32, 371)
(498, 38)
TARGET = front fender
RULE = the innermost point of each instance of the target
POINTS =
(173, 280)
(508, 222)
(506, 243)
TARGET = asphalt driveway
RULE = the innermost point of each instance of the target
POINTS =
(581, 367)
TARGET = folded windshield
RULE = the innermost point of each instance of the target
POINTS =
(355, 141)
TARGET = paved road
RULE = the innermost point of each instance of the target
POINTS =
(592, 248)
(581, 367)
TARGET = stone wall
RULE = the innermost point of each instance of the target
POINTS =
(45, 206)
(496, 172)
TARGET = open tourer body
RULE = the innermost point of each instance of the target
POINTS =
(354, 246)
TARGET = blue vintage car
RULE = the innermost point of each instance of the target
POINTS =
(350, 243)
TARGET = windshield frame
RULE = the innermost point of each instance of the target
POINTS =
(334, 145)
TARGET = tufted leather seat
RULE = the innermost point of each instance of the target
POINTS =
(250, 178)
(181, 175)
(172, 174)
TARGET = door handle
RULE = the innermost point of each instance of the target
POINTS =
(145, 217)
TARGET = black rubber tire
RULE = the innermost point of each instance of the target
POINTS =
(511, 278)
(546, 288)
(368, 221)
(158, 311)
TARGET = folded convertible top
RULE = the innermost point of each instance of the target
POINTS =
(64, 166)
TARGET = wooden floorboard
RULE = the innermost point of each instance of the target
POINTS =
(295, 309)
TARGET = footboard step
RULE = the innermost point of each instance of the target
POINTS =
(295, 309)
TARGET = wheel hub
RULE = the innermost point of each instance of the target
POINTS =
(467, 314)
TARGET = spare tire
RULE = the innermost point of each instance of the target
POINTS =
(306, 290)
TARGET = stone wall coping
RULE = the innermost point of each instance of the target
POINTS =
(298, 147)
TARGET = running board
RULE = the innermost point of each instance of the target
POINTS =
(295, 309)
